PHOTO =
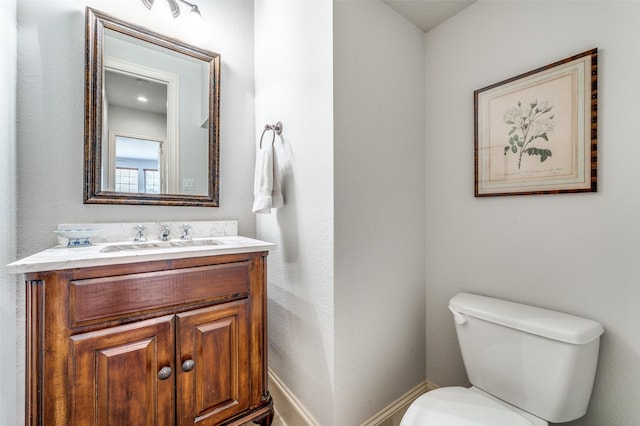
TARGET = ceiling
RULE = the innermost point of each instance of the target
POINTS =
(426, 14)
(124, 89)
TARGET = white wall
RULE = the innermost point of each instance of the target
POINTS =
(576, 253)
(379, 208)
(11, 406)
(353, 143)
(50, 129)
(294, 84)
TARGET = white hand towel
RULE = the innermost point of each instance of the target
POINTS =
(266, 184)
(277, 200)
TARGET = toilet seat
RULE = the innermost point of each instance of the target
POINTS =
(465, 407)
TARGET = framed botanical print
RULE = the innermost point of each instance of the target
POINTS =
(536, 133)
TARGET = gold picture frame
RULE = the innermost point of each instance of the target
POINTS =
(536, 133)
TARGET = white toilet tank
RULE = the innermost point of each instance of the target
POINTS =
(539, 360)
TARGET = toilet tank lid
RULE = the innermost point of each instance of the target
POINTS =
(531, 319)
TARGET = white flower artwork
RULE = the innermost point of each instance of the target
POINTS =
(529, 124)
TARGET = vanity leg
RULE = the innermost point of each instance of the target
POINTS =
(266, 419)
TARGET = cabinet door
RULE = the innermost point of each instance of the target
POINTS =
(213, 363)
(119, 375)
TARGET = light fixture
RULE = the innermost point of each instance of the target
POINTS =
(194, 8)
(175, 8)
(142, 99)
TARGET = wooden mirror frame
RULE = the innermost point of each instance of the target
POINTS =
(96, 23)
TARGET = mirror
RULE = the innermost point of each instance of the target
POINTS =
(151, 119)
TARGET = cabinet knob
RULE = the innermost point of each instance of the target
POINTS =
(164, 373)
(188, 365)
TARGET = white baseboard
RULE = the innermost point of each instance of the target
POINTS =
(288, 407)
(293, 413)
(392, 413)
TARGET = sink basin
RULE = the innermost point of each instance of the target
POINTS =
(159, 244)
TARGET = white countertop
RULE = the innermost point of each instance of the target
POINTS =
(63, 257)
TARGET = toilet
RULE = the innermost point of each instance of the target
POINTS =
(527, 366)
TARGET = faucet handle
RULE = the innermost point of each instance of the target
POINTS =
(165, 230)
(185, 232)
(139, 233)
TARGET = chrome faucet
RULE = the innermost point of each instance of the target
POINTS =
(185, 232)
(139, 233)
(164, 233)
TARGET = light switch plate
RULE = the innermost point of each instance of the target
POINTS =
(188, 184)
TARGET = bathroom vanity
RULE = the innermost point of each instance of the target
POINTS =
(147, 336)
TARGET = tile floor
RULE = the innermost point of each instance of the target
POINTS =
(277, 421)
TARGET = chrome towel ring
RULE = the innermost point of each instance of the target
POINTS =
(275, 128)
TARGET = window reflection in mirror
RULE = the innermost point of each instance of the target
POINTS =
(137, 165)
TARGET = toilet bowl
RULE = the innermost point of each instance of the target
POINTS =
(458, 406)
(512, 354)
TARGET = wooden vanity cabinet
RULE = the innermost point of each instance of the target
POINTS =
(172, 342)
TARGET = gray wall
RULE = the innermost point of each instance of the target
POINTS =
(379, 208)
(577, 253)
(11, 404)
